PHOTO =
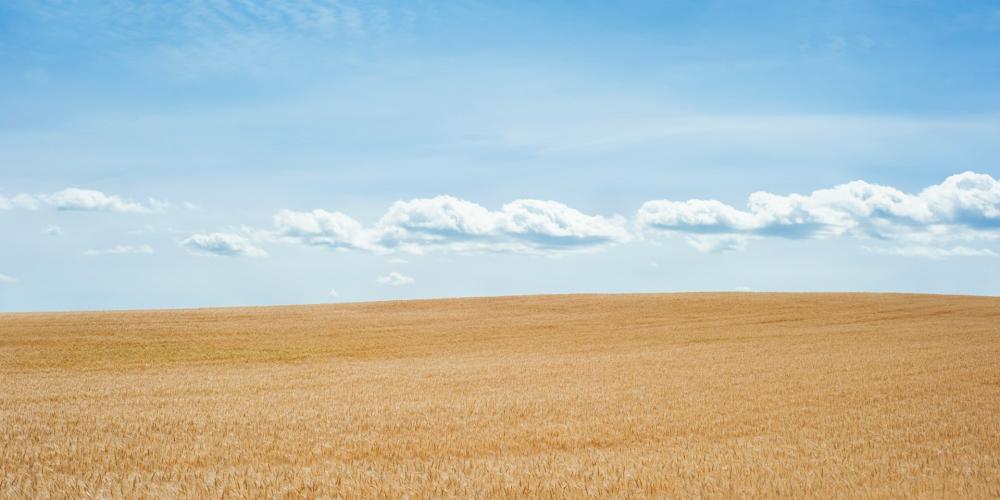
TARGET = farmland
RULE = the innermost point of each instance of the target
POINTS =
(544, 396)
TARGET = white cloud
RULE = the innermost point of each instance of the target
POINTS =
(968, 198)
(333, 293)
(320, 228)
(447, 223)
(223, 244)
(25, 202)
(554, 225)
(521, 226)
(711, 215)
(397, 260)
(52, 230)
(963, 206)
(122, 249)
(89, 199)
(80, 200)
(441, 215)
(21, 201)
(394, 279)
(418, 224)
(7, 279)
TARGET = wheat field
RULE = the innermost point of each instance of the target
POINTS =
(690, 395)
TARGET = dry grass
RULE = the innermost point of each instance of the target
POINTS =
(642, 395)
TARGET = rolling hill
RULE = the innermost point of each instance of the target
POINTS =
(579, 395)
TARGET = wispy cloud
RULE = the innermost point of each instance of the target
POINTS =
(4, 279)
(20, 201)
(194, 38)
(930, 252)
(717, 243)
(121, 249)
(785, 132)
(90, 199)
(222, 244)
(394, 279)
(77, 199)
(194, 19)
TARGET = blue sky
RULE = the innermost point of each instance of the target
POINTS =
(209, 153)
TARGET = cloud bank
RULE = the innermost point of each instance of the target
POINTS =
(943, 220)
(963, 207)
(448, 223)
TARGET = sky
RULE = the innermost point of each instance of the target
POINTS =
(248, 152)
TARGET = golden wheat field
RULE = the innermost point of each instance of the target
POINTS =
(691, 395)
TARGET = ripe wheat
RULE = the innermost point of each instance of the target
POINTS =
(554, 396)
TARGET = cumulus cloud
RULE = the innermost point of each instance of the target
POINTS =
(441, 215)
(969, 199)
(448, 223)
(52, 230)
(80, 200)
(334, 293)
(964, 206)
(4, 279)
(554, 225)
(223, 244)
(320, 228)
(122, 249)
(394, 279)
